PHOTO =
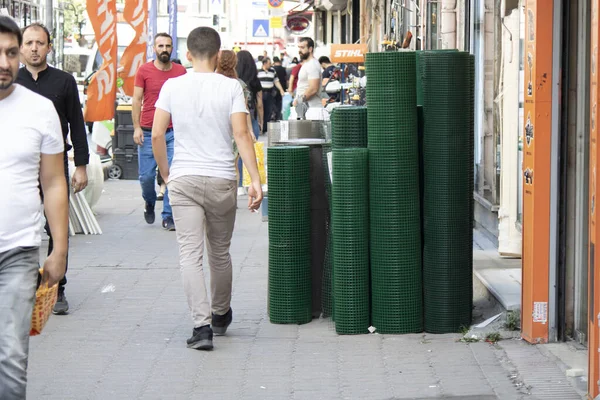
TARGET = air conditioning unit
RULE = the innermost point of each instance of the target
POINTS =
(333, 5)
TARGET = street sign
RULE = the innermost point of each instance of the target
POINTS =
(260, 28)
(275, 3)
(276, 22)
(259, 4)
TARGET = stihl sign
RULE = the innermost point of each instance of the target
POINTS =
(348, 53)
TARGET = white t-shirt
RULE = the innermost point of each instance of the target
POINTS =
(310, 70)
(201, 105)
(30, 128)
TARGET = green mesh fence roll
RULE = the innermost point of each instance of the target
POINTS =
(447, 207)
(290, 299)
(349, 126)
(350, 218)
(327, 283)
(395, 236)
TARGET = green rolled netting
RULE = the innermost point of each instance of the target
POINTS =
(394, 201)
(327, 283)
(350, 218)
(290, 299)
(349, 126)
(447, 192)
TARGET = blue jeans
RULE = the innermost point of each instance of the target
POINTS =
(18, 280)
(147, 171)
(255, 127)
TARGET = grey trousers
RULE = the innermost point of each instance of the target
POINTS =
(18, 281)
(204, 206)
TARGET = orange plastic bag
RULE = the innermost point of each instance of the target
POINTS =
(45, 298)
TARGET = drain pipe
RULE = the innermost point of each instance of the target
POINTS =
(448, 26)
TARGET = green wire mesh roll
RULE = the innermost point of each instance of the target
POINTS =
(395, 234)
(290, 299)
(349, 127)
(351, 241)
(327, 283)
(447, 161)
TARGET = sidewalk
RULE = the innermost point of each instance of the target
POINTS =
(125, 335)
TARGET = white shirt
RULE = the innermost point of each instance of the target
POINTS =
(201, 105)
(310, 70)
(30, 128)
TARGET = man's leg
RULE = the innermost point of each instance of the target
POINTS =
(147, 172)
(268, 109)
(61, 307)
(187, 196)
(220, 207)
(18, 280)
(167, 213)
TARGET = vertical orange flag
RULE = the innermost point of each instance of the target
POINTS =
(101, 94)
(136, 14)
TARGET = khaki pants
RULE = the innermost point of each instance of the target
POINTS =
(200, 203)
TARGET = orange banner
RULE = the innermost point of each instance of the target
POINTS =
(101, 93)
(136, 14)
(348, 53)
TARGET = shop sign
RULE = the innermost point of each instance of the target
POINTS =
(298, 24)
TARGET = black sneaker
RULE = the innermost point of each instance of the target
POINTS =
(202, 338)
(168, 224)
(149, 213)
(220, 323)
(62, 305)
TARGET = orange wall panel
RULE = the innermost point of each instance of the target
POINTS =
(594, 233)
(537, 141)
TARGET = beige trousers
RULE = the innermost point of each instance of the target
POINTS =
(202, 204)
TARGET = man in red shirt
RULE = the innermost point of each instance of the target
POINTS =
(149, 80)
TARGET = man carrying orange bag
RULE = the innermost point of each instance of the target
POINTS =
(31, 153)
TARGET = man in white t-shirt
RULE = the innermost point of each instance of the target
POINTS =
(308, 91)
(208, 110)
(31, 153)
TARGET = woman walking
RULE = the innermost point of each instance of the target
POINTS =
(227, 67)
(247, 72)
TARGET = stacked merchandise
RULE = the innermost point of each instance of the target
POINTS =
(350, 221)
(395, 222)
(447, 205)
(289, 235)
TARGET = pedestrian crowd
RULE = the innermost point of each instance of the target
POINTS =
(193, 128)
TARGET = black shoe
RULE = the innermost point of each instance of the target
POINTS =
(202, 338)
(62, 305)
(220, 323)
(168, 224)
(149, 213)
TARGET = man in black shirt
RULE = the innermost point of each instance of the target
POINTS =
(282, 75)
(61, 88)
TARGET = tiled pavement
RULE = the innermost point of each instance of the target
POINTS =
(125, 335)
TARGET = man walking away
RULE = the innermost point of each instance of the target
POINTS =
(149, 79)
(32, 151)
(269, 81)
(61, 88)
(309, 80)
(282, 76)
(207, 109)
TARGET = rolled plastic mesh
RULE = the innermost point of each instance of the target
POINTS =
(350, 218)
(290, 299)
(349, 127)
(394, 203)
(447, 191)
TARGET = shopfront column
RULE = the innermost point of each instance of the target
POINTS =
(537, 148)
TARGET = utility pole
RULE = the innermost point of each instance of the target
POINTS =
(50, 25)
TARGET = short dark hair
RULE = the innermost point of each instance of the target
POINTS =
(309, 41)
(325, 60)
(163, 34)
(266, 60)
(204, 42)
(8, 25)
(37, 25)
(276, 59)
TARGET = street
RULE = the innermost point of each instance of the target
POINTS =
(125, 335)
